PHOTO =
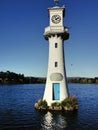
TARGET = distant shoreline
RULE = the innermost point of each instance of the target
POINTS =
(14, 78)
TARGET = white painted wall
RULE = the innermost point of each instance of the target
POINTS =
(55, 54)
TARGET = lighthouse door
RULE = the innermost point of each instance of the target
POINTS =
(56, 91)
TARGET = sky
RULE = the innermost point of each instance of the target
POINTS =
(23, 48)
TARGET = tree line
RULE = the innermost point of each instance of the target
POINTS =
(14, 78)
(83, 80)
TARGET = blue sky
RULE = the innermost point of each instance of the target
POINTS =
(23, 48)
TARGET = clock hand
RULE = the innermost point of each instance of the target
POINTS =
(57, 18)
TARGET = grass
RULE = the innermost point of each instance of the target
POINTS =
(70, 103)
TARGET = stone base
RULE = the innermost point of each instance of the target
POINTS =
(55, 108)
(68, 104)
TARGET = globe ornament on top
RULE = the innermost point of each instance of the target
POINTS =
(56, 1)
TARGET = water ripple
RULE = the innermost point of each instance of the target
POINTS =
(17, 111)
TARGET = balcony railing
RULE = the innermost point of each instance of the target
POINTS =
(54, 29)
(60, 31)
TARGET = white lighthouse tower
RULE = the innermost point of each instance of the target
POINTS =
(56, 33)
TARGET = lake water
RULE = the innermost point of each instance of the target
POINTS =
(17, 109)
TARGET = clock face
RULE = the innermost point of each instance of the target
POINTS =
(56, 19)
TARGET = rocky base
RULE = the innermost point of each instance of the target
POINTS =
(55, 108)
(68, 104)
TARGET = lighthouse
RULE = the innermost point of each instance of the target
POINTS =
(56, 83)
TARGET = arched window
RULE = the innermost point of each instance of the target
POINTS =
(56, 45)
(56, 64)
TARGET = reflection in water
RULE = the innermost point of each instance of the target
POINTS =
(47, 121)
(51, 121)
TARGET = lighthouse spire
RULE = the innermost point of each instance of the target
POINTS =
(56, 2)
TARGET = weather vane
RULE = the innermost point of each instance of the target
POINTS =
(56, 2)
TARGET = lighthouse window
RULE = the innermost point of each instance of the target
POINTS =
(56, 64)
(56, 45)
